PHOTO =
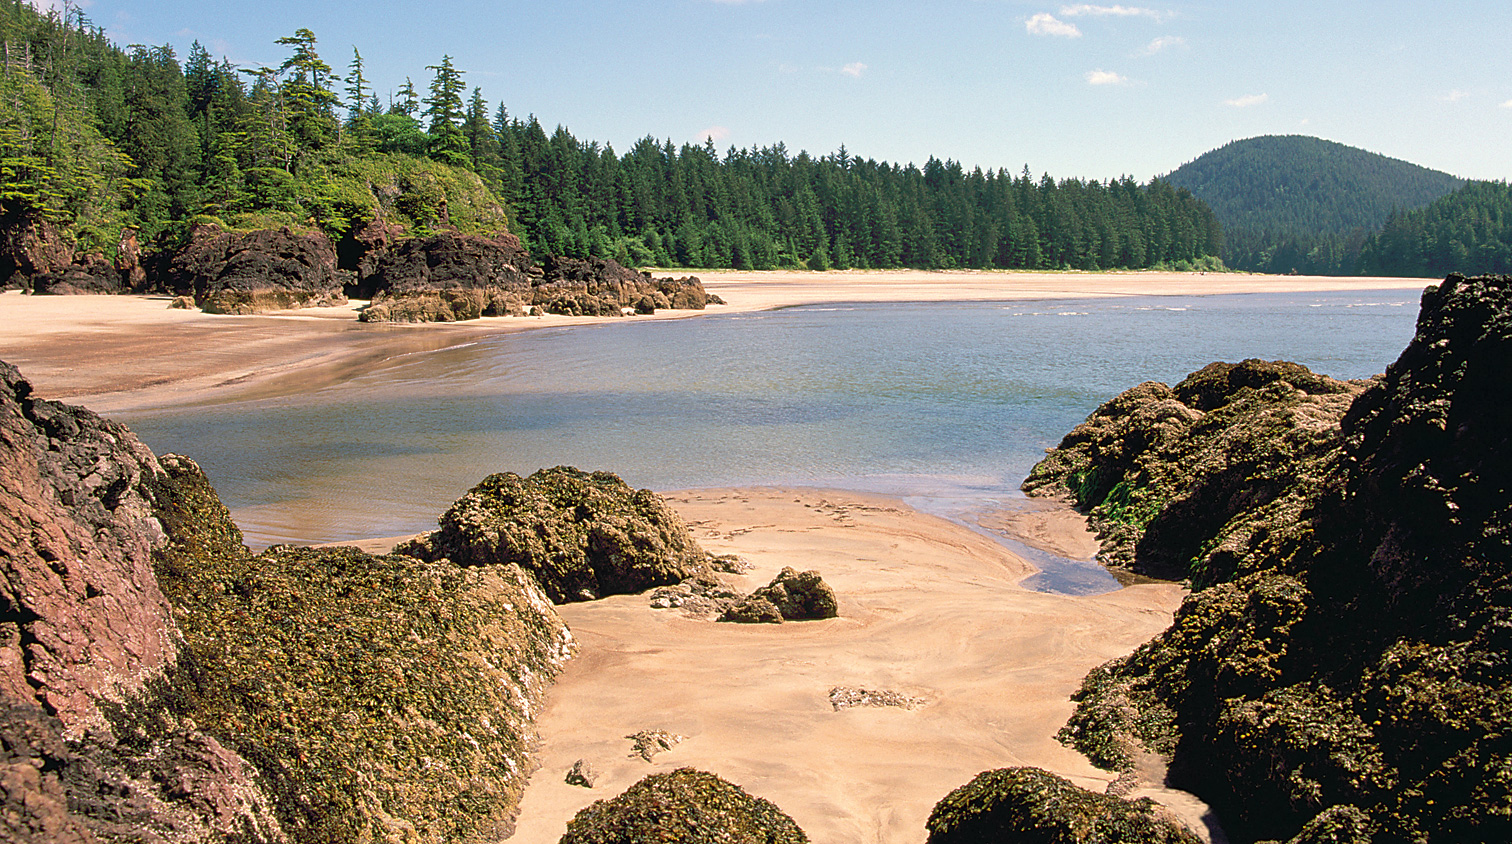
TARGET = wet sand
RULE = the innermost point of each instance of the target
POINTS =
(928, 609)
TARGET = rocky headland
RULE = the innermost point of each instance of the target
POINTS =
(1340, 672)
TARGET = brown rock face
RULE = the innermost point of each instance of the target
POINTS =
(86, 640)
(255, 272)
(601, 287)
(30, 247)
(81, 616)
(89, 274)
(791, 596)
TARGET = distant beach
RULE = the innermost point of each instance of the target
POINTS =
(118, 352)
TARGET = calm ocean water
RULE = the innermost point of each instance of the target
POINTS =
(948, 405)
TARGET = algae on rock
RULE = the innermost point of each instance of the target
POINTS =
(687, 806)
(1344, 671)
(582, 535)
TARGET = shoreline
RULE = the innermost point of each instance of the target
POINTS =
(120, 353)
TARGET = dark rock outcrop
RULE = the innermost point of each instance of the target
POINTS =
(1352, 676)
(582, 535)
(602, 287)
(791, 596)
(1032, 806)
(31, 247)
(253, 272)
(446, 278)
(88, 274)
(687, 806)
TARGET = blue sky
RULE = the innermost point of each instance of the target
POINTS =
(1086, 90)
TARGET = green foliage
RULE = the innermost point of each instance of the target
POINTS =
(687, 806)
(1299, 204)
(1031, 806)
(1468, 232)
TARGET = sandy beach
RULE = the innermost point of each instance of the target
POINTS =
(929, 609)
(114, 353)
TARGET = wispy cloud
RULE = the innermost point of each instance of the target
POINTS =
(1045, 23)
(1455, 96)
(718, 133)
(1248, 101)
(1105, 77)
(1507, 104)
(1164, 42)
(854, 69)
(1089, 10)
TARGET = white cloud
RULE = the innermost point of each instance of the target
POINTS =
(1115, 11)
(1455, 96)
(718, 133)
(1046, 24)
(854, 69)
(1247, 101)
(1164, 42)
(1507, 104)
(1105, 77)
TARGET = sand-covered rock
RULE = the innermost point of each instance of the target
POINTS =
(252, 272)
(1032, 806)
(791, 596)
(1354, 677)
(687, 806)
(582, 535)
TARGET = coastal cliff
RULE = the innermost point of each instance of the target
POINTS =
(1341, 671)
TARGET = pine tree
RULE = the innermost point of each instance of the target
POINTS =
(444, 108)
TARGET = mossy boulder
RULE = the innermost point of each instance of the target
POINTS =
(791, 596)
(1350, 676)
(582, 535)
(1031, 806)
(687, 806)
(1203, 480)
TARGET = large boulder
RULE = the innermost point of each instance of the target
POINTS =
(253, 272)
(603, 287)
(1352, 676)
(688, 806)
(1031, 806)
(447, 278)
(582, 535)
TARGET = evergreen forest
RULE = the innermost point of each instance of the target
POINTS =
(1468, 231)
(1306, 205)
(95, 139)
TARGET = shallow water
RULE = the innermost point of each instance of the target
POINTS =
(947, 405)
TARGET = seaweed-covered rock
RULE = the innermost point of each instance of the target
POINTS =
(687, 806)
(791, 596)
(1032, 806)
(1205, 479)
(603, 287)
(1355, 678)
(582, 535)
(447, 278)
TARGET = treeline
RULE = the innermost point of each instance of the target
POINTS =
(1294, 203)
(95, 138)
(1468, 231)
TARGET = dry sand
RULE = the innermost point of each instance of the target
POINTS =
(927, 608)
(116, 353)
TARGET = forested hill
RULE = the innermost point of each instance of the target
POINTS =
(95, 138)
(1468, 231)
(1305, 204)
